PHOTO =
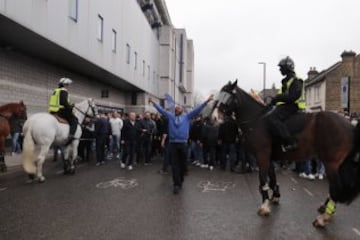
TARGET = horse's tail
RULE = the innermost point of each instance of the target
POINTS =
(28, 150)
(349, 172)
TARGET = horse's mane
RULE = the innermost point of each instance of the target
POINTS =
(250, 97)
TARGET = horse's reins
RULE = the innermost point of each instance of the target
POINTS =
(261, 115)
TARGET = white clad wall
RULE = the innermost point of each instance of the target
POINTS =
(50, 18)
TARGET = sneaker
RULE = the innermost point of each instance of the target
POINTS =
(211, 168)
(204, 166)
(198, 164)
(303, 175)
(321, 177)
(122, 165)
(130, 168)
(98, 164)
(118, 156)
(103, 162)
(310, 177)
(162, 172)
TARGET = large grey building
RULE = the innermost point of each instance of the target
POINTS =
(118, 52)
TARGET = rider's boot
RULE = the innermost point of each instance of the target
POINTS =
(289, 143)
(73, 126)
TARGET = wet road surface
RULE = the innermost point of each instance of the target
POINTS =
(107, 202)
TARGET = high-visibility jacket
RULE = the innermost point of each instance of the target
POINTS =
(300, 102)
(54, 102)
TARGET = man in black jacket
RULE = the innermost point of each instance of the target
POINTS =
(102, 130)
(228, 133)
(129, 137)
(290, 99)
(146, 128)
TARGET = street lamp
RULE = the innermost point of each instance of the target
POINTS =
(264, 78)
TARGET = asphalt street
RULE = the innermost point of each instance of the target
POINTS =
(107, 202)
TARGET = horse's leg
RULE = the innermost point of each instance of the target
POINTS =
(264, 186)
(275, 198)
(3, 167)
(40, 161)
(327, 210)
(67, 164)
(74, 154)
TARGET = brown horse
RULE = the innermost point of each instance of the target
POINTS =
(7, 111)
(325, 135)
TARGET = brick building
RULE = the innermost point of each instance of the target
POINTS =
(336, 88)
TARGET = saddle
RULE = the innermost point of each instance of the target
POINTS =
(60, 119)
(296, 123)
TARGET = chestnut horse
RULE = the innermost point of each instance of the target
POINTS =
(326, 135)
(7, 111)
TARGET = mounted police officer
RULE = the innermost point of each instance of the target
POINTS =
(290, 99)
(59, 104)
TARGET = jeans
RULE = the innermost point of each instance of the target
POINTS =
(15, 146)
(306, 167)
(320, 169)
(198, 152)
(209, 155)
(114, 144)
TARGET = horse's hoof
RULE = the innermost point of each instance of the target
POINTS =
(318, 224)
(31, 176)
(263, 212)
(321, 209)
(275, 200)
(41, 179)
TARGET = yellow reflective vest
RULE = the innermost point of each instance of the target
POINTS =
(300, 102)
(54, 101)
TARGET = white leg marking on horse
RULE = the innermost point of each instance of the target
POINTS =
(356, 231)
(293, 179)
(308, 192)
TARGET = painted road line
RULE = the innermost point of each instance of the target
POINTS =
(356, 231)
(293, 179)
(308, 192)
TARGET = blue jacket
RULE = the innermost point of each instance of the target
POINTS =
(179, 125)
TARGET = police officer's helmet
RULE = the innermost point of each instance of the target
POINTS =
(65, 81)
(287, 63)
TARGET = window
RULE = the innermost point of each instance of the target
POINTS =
(113, 40)
(149, 72)
(73, 9)
(144, 66)
(104, 93)
(135, 56)
(128, 53)
(185, 100)
(100, 32)
(317, 94)
(133, 98)
(154, 76)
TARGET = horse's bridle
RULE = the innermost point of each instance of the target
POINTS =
(224, 98)
(90, 106)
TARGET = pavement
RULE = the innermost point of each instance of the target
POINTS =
(107, 202)
(13, 160)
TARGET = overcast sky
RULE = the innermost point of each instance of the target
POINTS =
(232, 36)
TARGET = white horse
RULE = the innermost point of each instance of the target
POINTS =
(43, 129)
